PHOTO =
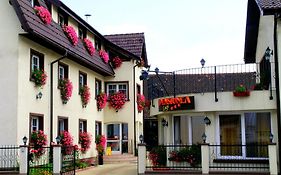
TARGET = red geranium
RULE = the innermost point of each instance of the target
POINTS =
(66, 87)
(39, 77)
(71, 34)
(116, 62)
(140, 102)
(104, 55)
(38, 140)
(44, 14)
(100, 144)
(89, 46)
(66, 140)
(85, 140)
(101, 100)
(117, 100)
(85, 95)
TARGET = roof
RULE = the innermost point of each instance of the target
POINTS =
(132, 42)
(53, 37)
(269, 4)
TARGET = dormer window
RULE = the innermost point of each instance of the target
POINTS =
(82, 33)
(62, 18)
(34, 3)
(97, 44)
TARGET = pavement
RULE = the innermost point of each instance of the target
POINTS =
(111, 169)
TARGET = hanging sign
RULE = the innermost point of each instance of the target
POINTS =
(177, 103)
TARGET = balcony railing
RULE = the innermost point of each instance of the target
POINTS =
(211, 79)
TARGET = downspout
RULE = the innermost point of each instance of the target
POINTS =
(52, 94)
(277, 84)
(134, 91)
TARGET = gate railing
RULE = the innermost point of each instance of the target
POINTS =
(68, 160)
(9, 158)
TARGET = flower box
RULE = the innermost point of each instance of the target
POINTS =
(43, 14)
(71, 34)
(241, 94)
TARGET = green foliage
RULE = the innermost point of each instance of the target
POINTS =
(191, 154)
(240, 88)
(158, 156)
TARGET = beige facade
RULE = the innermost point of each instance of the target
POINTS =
(19, 93)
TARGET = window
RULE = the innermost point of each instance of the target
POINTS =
(34, 3)
(138, 89)
(98, 87)
(36, 60)
(62, 71)
(36, 122)
(82, 79)
(249, 129)
(116, 87)
(98, 128)
(82, 125)
(62, 124)
(62, 18)
(82, 33)
(97, 44)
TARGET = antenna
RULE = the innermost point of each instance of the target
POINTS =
(87, 16)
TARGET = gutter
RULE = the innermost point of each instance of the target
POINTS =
(275, 42)
(52, 94)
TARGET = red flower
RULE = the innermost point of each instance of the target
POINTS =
(140, 102)
(71, 34)
(101, 101)
(38, 140)
(85, 140)
(85, 95)
(44, 14)
(89, 46)
(116, 62)
(100, 143)
(117, 100)
(66, 87)
(39, 77)
(104, 55)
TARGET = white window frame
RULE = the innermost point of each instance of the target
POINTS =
(35, 64)
(61, 72)
(81, 80)
(36, 119)
(61, 124)
(61, 19)
(117, 88)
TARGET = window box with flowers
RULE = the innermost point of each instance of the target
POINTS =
(85, 140)
(38, 141)
(100, 146)
(89, 46)
(104, 55)
(117, 100)
(158, 157)
(71, 34)
(85, 95)
(65, 86)
(39, 77)
(43, 14)
(241, 91)
(101, 101)
(66, 140)
(140, 102)
(116, 62)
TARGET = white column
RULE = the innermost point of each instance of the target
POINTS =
(141, 158)
(23, 162)
(205, 158)
(272, 155)
(56, 159)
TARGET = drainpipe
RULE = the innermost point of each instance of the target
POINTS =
(276, 16)
(51, 95)
(134, 101)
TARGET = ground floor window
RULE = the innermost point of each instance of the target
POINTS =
(248, 132)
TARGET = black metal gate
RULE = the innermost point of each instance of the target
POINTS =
(9, 159)
(68, 160)
(40, 161)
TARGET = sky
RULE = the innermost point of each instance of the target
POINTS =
(178, 33)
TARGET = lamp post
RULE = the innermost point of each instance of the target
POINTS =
(58, 138)
(207, 121)
(141, 138)
(202, 61)
(24, 139)
(204, 137)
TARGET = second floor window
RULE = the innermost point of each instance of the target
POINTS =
(98, 87)
(62, 18)
(82, 79)
(97, 44)
(117, 87)
(62, 71)
(82, 125)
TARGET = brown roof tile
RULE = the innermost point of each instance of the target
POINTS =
(54, 35)
(132, 42)
(269, 4)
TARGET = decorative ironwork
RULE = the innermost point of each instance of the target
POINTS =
(68, 160)
(42, 164)
(9, 158)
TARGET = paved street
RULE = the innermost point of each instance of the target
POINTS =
(111, 169)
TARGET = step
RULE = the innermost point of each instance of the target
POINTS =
(120, 158)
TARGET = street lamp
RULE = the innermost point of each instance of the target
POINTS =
(141, 138)
(268, 53)
(24, 139)
(58, 138)
(204, 137)
(202, 62)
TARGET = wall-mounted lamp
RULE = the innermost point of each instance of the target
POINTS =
(202, 61)
(141, 138)
(164, 122)
(204, 137)
(58, 138)
(271, 137)
(39, 95)
(207, 121)
(268, 53)
(24, 139)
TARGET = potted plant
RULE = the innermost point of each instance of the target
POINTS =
(101, 101)
(89, 46)
(104, 55)
(43, 14)
(158, 157)
(85, 95)
(38, 141)
(85, 140)
(140, 102)
(241, 91)
(65, 86)
(191, 155)
(66, 140)
(116, 62)
(100, 146)
(117, 100)
(71, 34)
(39, 76)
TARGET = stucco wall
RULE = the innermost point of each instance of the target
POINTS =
(8, 73)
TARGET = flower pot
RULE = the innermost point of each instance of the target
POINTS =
(241, 94)
(100, 159)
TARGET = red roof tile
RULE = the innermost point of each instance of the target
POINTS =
(132, 42)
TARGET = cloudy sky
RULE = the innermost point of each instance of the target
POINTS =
(178, 33)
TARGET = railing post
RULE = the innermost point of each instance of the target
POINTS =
(56, 159)
(272, 155)
(205, 158)
(216, 92)
(23, 162)
(141, 158)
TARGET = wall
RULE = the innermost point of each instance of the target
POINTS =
(8, 73)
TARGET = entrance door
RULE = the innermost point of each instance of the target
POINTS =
(117, 137)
